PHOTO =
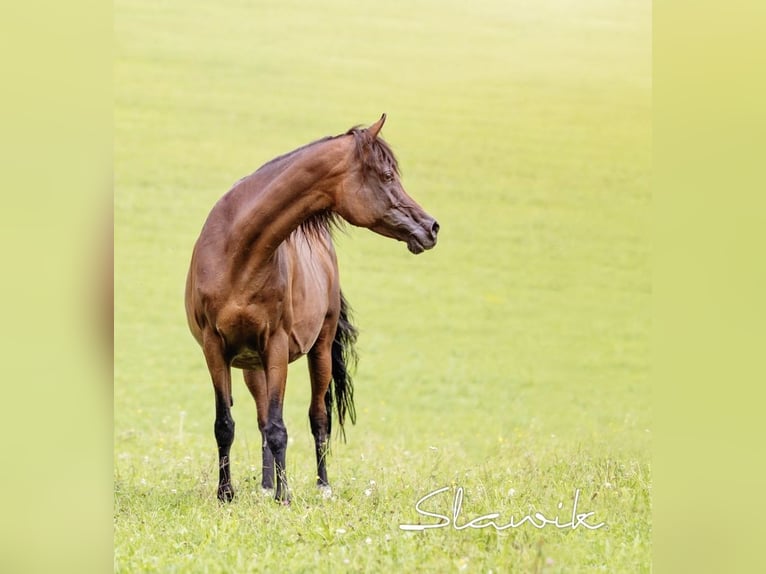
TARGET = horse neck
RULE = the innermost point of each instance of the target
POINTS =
(295, 189)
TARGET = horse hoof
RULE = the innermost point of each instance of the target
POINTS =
(225, 493)
(283, 499)
(268, 492)
(282, 502)
(325, 491)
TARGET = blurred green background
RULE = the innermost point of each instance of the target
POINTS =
(513, 356)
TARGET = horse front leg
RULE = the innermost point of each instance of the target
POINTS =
(256, 383)
(275, 359)
(223, 428)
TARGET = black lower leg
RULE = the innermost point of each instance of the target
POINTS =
(321, 446)
(276, 438)
(224, 436)
(267, 480)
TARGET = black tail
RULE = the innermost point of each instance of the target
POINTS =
(344, 359)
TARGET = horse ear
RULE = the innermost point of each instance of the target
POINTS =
(375, 128)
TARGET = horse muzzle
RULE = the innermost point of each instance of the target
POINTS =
(424, 239)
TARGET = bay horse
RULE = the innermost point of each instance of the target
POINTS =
(263, 287)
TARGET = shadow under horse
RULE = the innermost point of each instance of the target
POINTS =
(263, 287)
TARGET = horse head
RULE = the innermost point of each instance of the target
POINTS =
(372, 196)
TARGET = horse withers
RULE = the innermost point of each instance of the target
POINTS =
(263, 287)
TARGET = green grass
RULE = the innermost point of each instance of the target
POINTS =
(512, 360)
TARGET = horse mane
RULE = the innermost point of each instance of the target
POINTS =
(376, 156)
(321, 223)
(296, 151)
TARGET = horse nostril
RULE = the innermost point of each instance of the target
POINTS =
(435, 228)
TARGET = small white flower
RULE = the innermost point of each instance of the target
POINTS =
(367, 491)
(373, 483)
(511, 491)
(388, 537)
(368, 540)
(340, 531)
(433, 448)
(346, 561)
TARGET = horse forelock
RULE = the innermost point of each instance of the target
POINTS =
(376, 155)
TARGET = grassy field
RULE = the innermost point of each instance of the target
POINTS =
(512, 360)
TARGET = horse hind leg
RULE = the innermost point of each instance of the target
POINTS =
(256, 383)
(220, 373)
(320, 413)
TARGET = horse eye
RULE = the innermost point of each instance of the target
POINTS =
(388, 176)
